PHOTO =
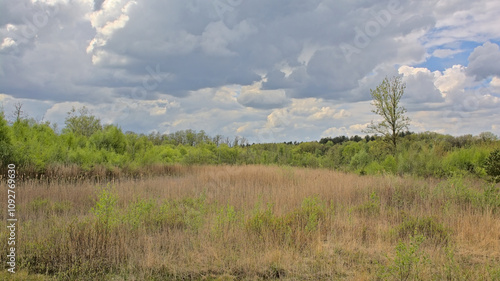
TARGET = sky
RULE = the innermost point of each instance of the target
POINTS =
(269, 71)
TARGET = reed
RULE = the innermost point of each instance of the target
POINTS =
(253, 223)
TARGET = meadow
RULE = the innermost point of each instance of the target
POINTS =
(256, 222)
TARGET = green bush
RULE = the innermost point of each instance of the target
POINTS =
(224, 219)
(140, 213)
(5, 142)
(469, 160)
(360, 160)
(371, 207)
(492, 165)
(408, 262)
(187, 213)
(428, 227)
(311, 212)
(265, 223)
(105, 209)
(390, 165)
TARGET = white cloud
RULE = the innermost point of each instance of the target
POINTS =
(444, 53)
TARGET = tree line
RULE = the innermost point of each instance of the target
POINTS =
(85, 143)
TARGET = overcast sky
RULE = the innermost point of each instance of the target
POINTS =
(279, 70)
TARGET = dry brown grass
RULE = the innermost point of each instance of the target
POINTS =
(210, 226)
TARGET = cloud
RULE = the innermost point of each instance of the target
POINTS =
(250, 67)
(444, 53)
(420, 87)
(483, 61)
(253, 96)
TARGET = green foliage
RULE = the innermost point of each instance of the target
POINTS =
(39, 205)
(360, 160)
(264, 222)
(187, 213)
(311, 212)
(294, 228)
(492, 165)
(105, 209)
(83, 124)
(5, 142)
(225, 218)
(428, 227)
(110, 138)
(470, 160)
(44, 206)
(35, 147)
(349, 150)
(390, 165)
(140, 213)
(459, 191)
(408, 262)
(371, 207)
(374, 168)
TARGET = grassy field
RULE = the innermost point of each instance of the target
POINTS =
(254, 223)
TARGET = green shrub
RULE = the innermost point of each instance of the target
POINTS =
(469, 160)
(490, 197)
(39, 205)
(360, 160)
(492, 165)
(428, 227)
(140, 214)
(224, 219)
(264, 222)
(105, 209)
(371, 207)
(311, 212)
(390, 165)
(408, 261)
(187, 213)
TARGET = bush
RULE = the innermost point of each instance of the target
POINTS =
(360, 160)
(428, 227)
(187, 213)
(105, 209)
(371, 207)
(408, 261)
(492, 165)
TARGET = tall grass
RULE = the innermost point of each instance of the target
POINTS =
(257, 222)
